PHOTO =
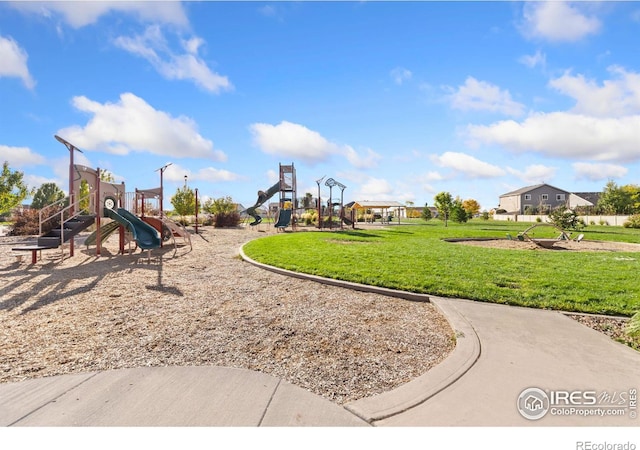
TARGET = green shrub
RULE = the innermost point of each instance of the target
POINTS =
(566, 218)
(310, 217)
(633, 327)
(633, 222)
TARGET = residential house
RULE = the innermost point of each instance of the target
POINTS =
(584, 200)
(538, 199)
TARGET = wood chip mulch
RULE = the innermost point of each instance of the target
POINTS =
(206, 306)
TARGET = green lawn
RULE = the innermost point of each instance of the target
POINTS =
(416, 258)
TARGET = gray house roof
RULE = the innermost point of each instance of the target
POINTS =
(591, 197)
(526, 189)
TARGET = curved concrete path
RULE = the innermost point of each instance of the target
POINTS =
(500, 352)
(523, 348)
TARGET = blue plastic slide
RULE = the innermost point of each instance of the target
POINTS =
(144, 234)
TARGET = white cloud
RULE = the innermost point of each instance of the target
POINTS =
(597, 172)
(132, 124)
(468, 165)
(616, 97)
(175, 172)
(534, 174)
(35, 181)
(368, 160)
(153, 46)
(80, 14)
(20, 156)
(375, 189)
(557, 21)
(14, 62)
(215, 175)
(400, 75)
(430, 177)
(293, 140)
(531, 61)
(565, 135)
(482, 96)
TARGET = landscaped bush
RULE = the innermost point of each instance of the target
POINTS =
(633, 222)
(565, 218)
(310, 217)
(633, 327)
(27, 223)
(226, 219)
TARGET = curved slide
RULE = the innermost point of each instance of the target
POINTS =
(143, 233)
(105, 231)
(262, 198)
(284, 218)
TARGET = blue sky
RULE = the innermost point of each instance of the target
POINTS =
(396, 100)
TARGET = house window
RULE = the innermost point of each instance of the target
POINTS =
(560, 197)
(527, 196)
(545, 197)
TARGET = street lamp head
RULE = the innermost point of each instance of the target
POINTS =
(163, 168)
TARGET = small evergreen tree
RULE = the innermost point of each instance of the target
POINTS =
(458, 214)
(566, 218)
(426, 213)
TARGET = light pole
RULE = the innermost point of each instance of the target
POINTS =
(71, 148)
(196, 210)
(319, 205)
(162, 169)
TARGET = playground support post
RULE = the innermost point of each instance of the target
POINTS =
(71, 149)
(162, 169)
(319, 203)
(197, 210)
(98, 213)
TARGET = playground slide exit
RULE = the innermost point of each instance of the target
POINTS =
(143, 233)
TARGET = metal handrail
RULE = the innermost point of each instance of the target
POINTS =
(60, 213)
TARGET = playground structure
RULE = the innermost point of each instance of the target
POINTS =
(286, 186)
(326, 214)
(77, 212)
(167, 228)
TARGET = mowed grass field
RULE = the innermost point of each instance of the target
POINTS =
(416, 258)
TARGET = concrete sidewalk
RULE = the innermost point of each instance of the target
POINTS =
(523, 348)
(500, 352)
(167, 396)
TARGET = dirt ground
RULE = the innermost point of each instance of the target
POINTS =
(582, 246)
